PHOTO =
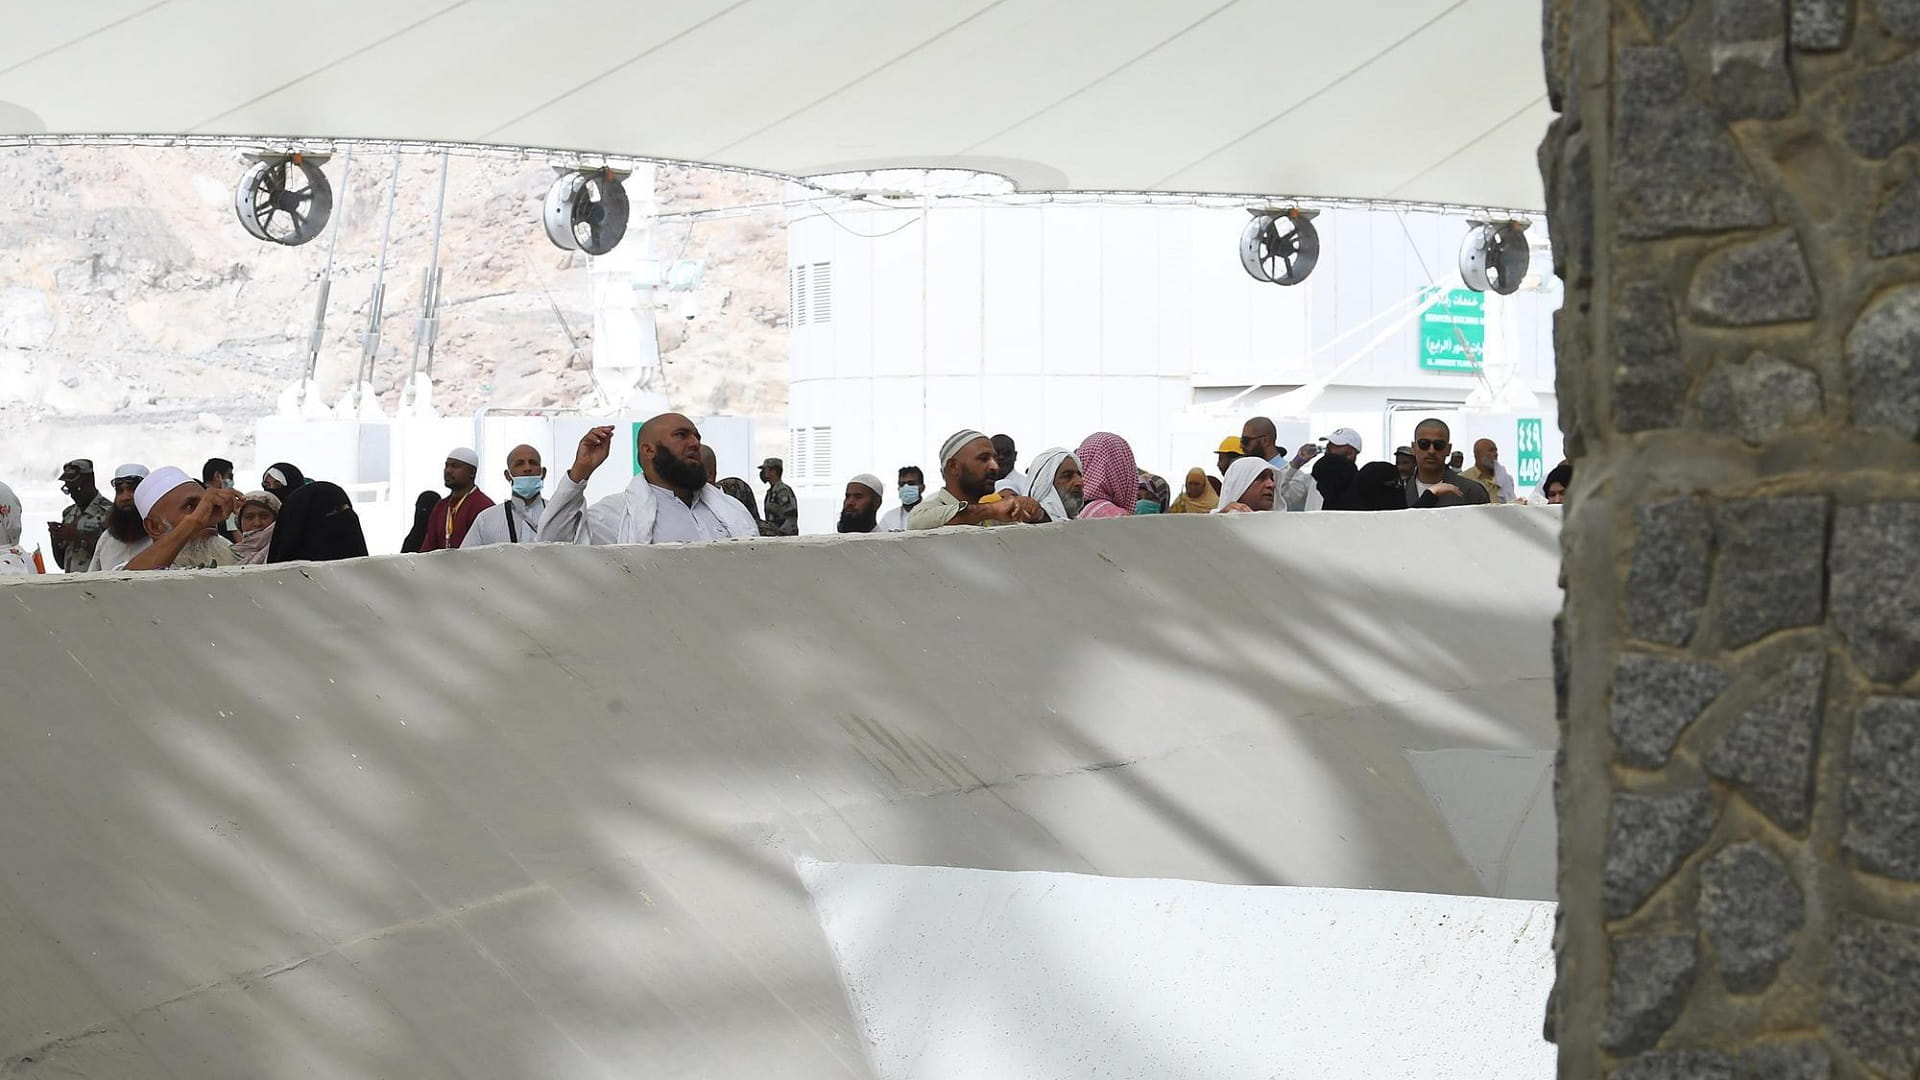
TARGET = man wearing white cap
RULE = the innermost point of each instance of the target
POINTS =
(182, 516)
(452, 517)
(860, 510)
(669, 502)
(1297, 488)
(126, 534)
(971, 472)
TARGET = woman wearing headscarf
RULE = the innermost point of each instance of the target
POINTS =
(1153, 496)
(283, 479)
(1112, 478)
(423, 505)
(1377, 487)
(1248, 487)
(258, 512)
(1198, 497)
(1333, 477)
(317, 524)
(1051, 471)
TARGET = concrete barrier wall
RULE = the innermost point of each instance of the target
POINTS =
(534, 812)
(957, 974)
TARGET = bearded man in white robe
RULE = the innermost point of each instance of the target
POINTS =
(671, 501)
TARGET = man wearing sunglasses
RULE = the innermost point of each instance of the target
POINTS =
(1434, 482)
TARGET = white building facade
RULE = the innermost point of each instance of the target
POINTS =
(1056, 319)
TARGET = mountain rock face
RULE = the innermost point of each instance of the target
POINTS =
(140, 322)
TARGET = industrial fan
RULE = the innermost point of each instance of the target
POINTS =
(1495, 256)
(1280, 246)
(587, 211)
(284, 198)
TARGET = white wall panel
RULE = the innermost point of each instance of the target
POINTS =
(953, 402)
(1013, 292)
(899, 329)
(1173, 258)
(1219, 292)
(852, 325)
(1015, 404)
(1072, 290)
(899, 428)
(1129, 290)
(1073, 408)
(954, 291)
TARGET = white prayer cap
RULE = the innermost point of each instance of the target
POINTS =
(129, 472)
(156, 486)
(1345, 436)
(871, 483)
(464, 454)
(956, 443)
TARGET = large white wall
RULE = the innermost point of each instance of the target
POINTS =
(533, 811)
(1052, 321)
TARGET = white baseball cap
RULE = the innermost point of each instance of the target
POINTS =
(156, 486)
(1345, 436)
(129, 472)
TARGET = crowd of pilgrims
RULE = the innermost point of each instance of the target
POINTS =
(163, 518)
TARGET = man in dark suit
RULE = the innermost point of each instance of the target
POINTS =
(1433, 482)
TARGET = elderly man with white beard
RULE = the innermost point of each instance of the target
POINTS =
(182, 516)
(669, 502)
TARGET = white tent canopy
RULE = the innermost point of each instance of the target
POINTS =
(1422, 101)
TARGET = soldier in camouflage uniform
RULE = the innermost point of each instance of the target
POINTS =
(783, 510)
(82, 523)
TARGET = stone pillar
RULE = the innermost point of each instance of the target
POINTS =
(1734, 190)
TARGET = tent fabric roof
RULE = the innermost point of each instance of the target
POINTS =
(1419, 101)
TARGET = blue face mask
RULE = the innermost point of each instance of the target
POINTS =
(909, 494)
(526, 487)
(1146, 506)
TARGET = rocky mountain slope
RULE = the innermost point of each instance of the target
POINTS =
(139, 321)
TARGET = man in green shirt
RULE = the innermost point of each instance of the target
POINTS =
(81, 523)
(783, 510)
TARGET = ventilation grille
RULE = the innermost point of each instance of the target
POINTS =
(810, 293)
(799, 452)
(822, 471)
(810, 455)
(801, 277)
(822, 310)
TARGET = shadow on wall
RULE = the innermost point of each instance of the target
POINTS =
(533, 811)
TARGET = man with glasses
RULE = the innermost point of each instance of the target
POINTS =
(126, 534)
(1434, 482)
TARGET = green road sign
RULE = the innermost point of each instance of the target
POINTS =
(1453, 332)
(1530, 463)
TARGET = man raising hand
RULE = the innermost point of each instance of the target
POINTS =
(669, 502)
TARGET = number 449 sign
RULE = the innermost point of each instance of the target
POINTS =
(1530, 463)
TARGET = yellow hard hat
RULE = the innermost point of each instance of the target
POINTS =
(1230, 445)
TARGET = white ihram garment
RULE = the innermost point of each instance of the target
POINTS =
(490, 527)
(642, 514)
